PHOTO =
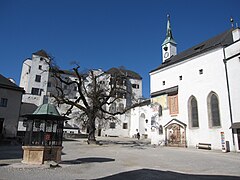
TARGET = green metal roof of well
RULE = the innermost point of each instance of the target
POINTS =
(47, 109)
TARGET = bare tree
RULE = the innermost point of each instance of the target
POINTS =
(95, 93)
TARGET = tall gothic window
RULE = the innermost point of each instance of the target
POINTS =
(213, 110)
(193, 112)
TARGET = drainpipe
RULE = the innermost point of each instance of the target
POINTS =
(228, 91)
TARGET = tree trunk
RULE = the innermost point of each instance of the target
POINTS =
(91, 135)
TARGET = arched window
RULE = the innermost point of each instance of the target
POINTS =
(213, 110)
(142, 116)
(193, 112)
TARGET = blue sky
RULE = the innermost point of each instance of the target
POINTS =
(106, 33)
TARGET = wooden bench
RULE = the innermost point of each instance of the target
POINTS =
(203, 146)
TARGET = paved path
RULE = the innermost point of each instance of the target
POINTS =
(124, 158)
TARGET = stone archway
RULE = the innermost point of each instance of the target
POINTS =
(175, 133)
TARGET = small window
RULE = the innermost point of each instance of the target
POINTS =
(136, 86)
(3, 102)
(180, 78)
(163, 83)
(112, 125)
(40, 67)
(160, 129)
(36, 91)
(125, 125)
(38, 78)
(153, 121)
(121, 95)
(159, 110)
(200, 71)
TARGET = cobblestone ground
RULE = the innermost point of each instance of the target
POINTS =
(123, 158)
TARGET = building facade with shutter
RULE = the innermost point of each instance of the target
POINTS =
(196, 93)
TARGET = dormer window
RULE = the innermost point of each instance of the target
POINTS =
(199, 48)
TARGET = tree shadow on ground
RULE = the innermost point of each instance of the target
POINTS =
(143, 174)
(88, 160)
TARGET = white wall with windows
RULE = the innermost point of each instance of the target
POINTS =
(202, 97)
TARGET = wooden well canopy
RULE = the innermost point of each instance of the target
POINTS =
(44, 127)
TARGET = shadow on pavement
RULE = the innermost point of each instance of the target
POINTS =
(88, 160)
(132, 143)
(3, 164)
(11, 152)
(143, 174)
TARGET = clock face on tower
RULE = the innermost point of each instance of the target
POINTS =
(166, 54)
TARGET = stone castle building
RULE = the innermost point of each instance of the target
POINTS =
(38, 84)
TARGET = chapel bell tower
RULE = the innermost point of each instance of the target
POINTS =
(169, 46)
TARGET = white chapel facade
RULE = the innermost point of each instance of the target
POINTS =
(196, 93)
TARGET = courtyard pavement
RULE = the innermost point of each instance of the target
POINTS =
(123, 158)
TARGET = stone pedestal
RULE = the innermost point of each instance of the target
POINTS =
(40, 154)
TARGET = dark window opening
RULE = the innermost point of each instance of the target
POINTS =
(112, 125)
(136, 86)
(36, 91)
(3, 102)
(38, 78)
(125, 125)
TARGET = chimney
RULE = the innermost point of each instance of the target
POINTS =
(236, 34)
